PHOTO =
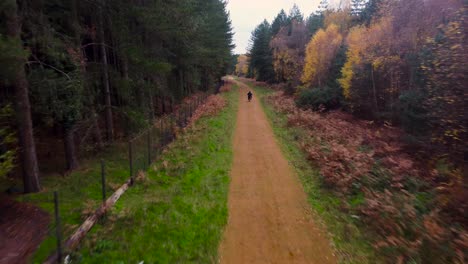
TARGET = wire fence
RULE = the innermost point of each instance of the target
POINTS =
(69, 207)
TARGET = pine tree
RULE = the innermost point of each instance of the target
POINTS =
(261, 62)
(323, 6)
(281, 20)
(357, 7)
(116, 59)
(295, 14)
(314, 22)
(19, 82)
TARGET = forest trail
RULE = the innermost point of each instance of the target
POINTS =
(269, 217)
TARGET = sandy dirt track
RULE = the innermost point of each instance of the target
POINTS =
(269, 218)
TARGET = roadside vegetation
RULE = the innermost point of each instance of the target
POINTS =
(177, 210)
(325, 204)
(379, 90)
(375, 199)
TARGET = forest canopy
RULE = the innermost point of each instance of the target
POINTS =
(396, 65)
(111, 65)
(398, 62)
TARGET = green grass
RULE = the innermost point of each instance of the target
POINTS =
(350, 244)
(79, 191)
(177, 213)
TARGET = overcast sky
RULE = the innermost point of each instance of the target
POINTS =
(247, 14)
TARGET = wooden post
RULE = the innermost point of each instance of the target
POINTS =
(103, 181)
(162, 134)
(81, 231)
(149, 147)
(190, 109)
(172, 126)
(130, 159)
(57, 228)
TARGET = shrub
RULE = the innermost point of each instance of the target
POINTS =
(413, 115)
(317, 98)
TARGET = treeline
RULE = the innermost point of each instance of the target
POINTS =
(398, 62)
(109, 65)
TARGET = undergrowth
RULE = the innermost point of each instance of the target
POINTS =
(350, 245)
(176, 213)
(380, 204)
(79, 194)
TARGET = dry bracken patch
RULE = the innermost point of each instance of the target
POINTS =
(212, 105)
(412, 211)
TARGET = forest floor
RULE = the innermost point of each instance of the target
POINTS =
(22, 229)
(270, 220)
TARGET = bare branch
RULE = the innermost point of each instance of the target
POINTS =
(50, 66)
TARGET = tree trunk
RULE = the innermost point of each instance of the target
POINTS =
(70, 151)
(105, 80)
(171, 102)
(97, 130)
(373, 88)
(125, 67)
(23, 109)
(151, 106)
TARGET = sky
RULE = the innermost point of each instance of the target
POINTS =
(247, 14)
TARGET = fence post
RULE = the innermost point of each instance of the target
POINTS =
(130, 159)
(172, 126)
(168, 130)
(179, 118)
(161, 133)
(149, 147)
(190, 107)
(103, 181)
(57, 228)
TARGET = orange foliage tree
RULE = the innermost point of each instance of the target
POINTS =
(342, 19)
(367, 51)
(288, 51)
(242, 66)
(320, 53)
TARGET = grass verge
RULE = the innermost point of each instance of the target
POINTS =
(79, 194)
(177, 212)
(350, 245)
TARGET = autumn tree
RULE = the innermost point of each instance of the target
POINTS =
(320, 53)
(447, 85)
(288, 51)
(242, 65)
(366, 54)
(342, 19)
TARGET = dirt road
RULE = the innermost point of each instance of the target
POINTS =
(269, 218)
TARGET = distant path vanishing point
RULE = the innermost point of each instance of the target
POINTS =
(269, 218)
